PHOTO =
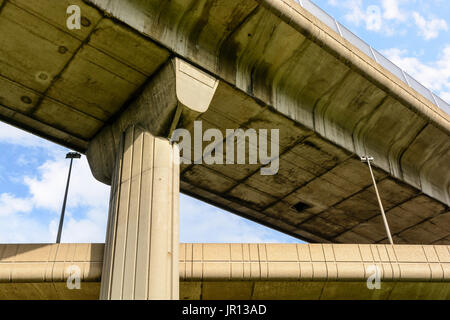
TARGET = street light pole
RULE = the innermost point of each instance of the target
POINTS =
(368, 159)
(71, 156)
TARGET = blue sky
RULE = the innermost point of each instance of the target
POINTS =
(413, 33)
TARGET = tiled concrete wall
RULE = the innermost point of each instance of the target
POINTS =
(242, 271)
(317, 262)
(200, 261)
(49, 262)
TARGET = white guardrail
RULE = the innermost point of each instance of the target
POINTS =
(374, 54)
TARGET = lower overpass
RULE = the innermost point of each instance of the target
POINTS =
(242, 271)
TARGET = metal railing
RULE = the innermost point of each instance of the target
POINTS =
(374, 54)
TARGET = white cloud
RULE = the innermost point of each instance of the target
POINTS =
(85, 195)
(47, 189)
(18, 228)
(429, 29)
(392, 11)
(356, 14)
(21, 218)
(446, 97)
(434, 75)
(90, 229)
(372, 16)
(12, 135)
(388, 17)
(9, 205)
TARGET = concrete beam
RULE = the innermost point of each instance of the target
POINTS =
(330, 102)
(40, 271)
(178, 90)
(243, 271)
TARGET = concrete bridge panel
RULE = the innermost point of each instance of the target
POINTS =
(329, 100)
(242, 271)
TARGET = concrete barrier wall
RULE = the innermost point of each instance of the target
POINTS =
(243, 271)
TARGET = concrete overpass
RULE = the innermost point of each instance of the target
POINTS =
(137, 69)
(242, 271)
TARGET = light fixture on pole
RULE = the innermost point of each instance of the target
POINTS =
(71, 156)
(368, 159)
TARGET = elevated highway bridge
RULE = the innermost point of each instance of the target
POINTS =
(136, 70)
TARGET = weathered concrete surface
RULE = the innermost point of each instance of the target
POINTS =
(330, 102)
(40, 271)
(319, 79)
(176, 91)
(243, 271)
(65, 84)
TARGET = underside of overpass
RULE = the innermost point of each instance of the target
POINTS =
(116, 88)
(241, 271)
(330, 102)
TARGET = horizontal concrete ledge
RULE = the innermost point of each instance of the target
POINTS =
(235, 271)
(228, 262)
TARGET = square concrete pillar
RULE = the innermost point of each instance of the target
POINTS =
(141, 251)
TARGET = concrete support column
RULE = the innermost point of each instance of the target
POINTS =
(141, 251)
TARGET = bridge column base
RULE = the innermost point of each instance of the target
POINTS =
(141, 251)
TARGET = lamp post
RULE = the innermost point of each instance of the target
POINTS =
(71, 156)
(368, 159)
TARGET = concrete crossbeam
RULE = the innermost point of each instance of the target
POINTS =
(178, 90)
(242, 271)
(330, 102)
